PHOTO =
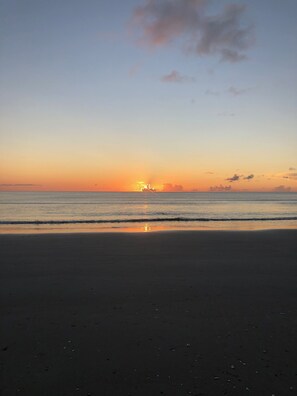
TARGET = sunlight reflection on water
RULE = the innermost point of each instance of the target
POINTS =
(116, 212)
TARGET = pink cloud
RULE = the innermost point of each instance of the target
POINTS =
(162, 22)
(176, 77)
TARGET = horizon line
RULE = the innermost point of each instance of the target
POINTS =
(150, 193)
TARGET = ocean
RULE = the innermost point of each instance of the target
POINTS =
(37, 212)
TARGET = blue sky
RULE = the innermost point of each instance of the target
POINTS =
(83, 94)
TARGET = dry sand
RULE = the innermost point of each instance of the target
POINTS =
(181, 313)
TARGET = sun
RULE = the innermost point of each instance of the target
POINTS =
(145, 187)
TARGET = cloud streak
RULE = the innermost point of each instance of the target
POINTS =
(162, 22)
(212, 93)
(282, 189)
(176, 77)
(168, 187)
(234, 178)
(292, 176)
(225, 114)
(249, 177)
(220, 188)
(236, 91)
(19, 185)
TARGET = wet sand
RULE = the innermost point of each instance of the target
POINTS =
(173, 313)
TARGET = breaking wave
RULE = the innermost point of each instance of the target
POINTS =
(143, 220)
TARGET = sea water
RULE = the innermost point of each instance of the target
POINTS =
(137, 211)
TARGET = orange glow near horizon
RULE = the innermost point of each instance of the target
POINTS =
(58, 170)
(123, 183)
(55, 174)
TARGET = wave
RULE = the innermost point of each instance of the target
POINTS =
(143, 220)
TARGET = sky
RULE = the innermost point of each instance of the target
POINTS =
(187, 95)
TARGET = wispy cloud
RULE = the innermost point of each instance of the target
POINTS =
(162, 22)
(236, 91)
(212, 93)
(220, 188)
(225, 114)
(237, 177)
(282, 189)
(19, 185)
(230, 91)
(234, 178)
(168, 187)
(176, 77)
(292, 176)
(292, 169)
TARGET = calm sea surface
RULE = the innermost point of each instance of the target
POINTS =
(92, 211)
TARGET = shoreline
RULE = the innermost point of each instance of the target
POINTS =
(168, 231)
(167, 313)
(147, 227)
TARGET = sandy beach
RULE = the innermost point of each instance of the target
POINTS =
(169, 313)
